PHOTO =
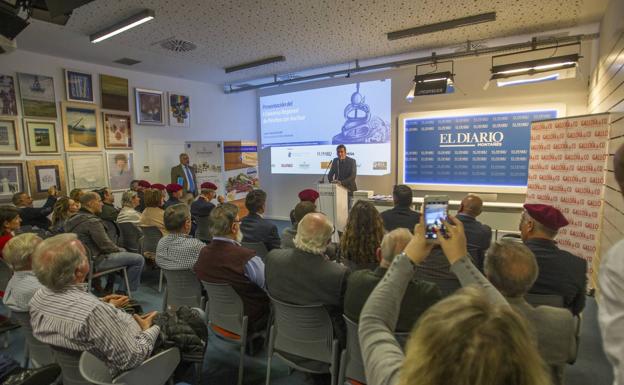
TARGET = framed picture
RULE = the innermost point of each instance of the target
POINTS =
(79, 86)
(117, 131)
(86, 171)
(120, 170)
(81, 127)
(9, 139)
(149, 106)
(37, 93)
(8, 102)
(43, 174)
(179, 110)
(12, 179)
(40, 137)
(114, 93)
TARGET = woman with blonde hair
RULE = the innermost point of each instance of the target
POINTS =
(63, 209)
(362, 237)
(153, 215)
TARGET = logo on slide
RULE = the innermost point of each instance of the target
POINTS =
(380, 165)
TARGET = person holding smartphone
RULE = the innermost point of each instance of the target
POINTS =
(35, 216)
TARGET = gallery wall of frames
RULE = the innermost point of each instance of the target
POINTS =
(97, 140)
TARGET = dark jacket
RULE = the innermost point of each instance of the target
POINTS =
(91, 231)
(560, 273)
(37, 216)
(437, 269)
(201, 208)
(184, 329)
(344, 171)
(400, 217)
(141, 205)
(257, 229)
(478, 236)
(170, 202)
(109, 212)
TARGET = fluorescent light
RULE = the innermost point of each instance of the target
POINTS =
(534, 66)
(503, 83)
(131, 22)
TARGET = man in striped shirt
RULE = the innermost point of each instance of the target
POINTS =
(64, 315)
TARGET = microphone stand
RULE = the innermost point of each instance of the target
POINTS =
(326, 170)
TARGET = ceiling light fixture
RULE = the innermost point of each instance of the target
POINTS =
(131, 22)
(432, 83)
(442, 26)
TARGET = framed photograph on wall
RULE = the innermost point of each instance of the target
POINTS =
(37, 95)
(114, 93)
(81, 127)
(149, 106)
(179, 110)
(43, 174)
(8, 101)
(40, 137)
(12, 179)
(79, 86)
(86, 171)
(120, 170)
(117, 131)
(9, 137)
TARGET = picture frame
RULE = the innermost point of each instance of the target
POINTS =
(8, 100)
(12, 179)
(114, 93)
(79, 86)
(40, 137)
(179, 110)
(86, 171)
(150, 106)
(42, 174)
(9, 135)
(120, 167)
(37, 95)
(117, 131)
(82, 127)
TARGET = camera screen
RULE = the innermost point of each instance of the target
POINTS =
(435, 214)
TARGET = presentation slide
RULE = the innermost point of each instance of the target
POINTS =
(303, 128)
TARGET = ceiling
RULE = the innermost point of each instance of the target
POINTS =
(309, 33)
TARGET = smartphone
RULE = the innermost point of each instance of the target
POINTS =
(436, 212)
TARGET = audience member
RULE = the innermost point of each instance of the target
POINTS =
(10, 221)
(362, 237)
(560, 272)
(487, 342)
(162, 188)
(175, 192)
(23, 284)
(436, 269)
(254, 227)
(419, 295)
(479, 236)
(35, 216)
(129, 202)
(91, 231)
(289, 233)
(178, 250)
(64, 315)
(63, 209)
(307, 195)
(141, 186)
(401, 215)
(153, 214)
(76, 194)
(109, 211)
(203, 205)
(224, 260)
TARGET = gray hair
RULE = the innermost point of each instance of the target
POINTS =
(394, 242)
(56, 259)
(539, 227)
(88, 198)
(511, 267)
(313, 233)
(18, 251)
(127, 197)
(176, 216)
(222, 218)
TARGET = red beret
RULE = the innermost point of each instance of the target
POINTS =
(308, 195)
(144, 184)
(173, 187)
(547, 215)
(208, 185)
(159, 186)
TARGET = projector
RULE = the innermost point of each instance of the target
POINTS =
(6, 45)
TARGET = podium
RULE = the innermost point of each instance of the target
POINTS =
(334, 202)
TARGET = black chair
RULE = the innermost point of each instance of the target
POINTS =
(203, 229)
(258, 247)
(131, 237)
(151, 236)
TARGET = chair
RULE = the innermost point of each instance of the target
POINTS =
(95, 274)
(578, 320)
(151, 236)
(36, 352)
(259, 247)
(68, 361)
(203, 229)
(304, 331)
(131, 237)
(183, 289)
(112, 230)
(545, 300)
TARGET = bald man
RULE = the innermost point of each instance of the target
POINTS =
(478, 235)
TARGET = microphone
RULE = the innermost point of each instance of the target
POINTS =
(326, 170)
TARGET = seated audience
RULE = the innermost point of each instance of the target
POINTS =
(76, 194)
(178, 250)
(479, 236)
(10, 221)
(307, 195)
(419, 295)
(23, 284)
(129, 202)
(254, 227)
(63, 209)
(109, 211)
(64, 315)
(89, 228)
(35, 216)
(362, 237)
(162, 188)
(401, 215)
(175, 192)
(300, 211)
(203, 205)
(153, 214)
(187, 199)
(224, 260)
(140, 187)
(436, 269)
(560, 272)
(475, 329)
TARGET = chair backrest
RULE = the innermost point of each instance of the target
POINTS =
(353, 362)
(131, 237)
(93, 369)
(112, 230)
(225, 307)
(6, 272)
(183, 289)
(305, 331)
(69, 362)
(259, 247)
(156, 370)
(545, 300)
(39, 353)
(151, 236)
(203, 229)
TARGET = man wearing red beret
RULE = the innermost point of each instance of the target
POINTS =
(175, 192)
(203, 205)
(560, 272)
(307, 195)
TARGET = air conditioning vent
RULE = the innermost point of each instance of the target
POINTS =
(178, 45)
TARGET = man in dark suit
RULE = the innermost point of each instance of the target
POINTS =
(343, 170)
(35, 216)
(203, 205)
(401, 215)
(175, 193)
(560, 272)
(184, 175)
(254, 227)
(478, 235)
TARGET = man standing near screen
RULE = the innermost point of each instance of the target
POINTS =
(343, 170)
(184, 175)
